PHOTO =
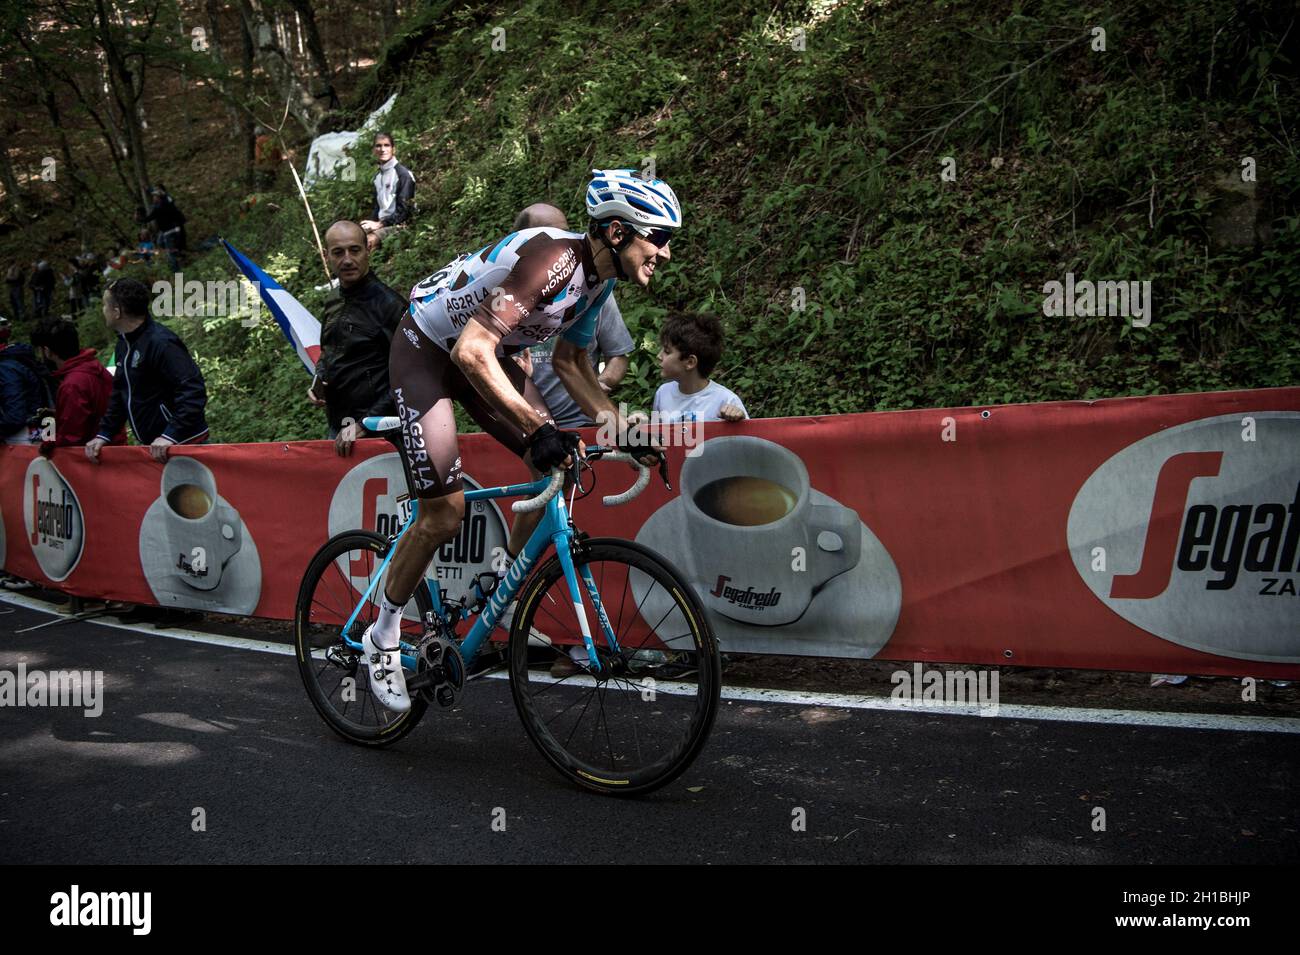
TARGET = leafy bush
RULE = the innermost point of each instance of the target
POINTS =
(819, 170)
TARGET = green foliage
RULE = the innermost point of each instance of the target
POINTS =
(820, 169)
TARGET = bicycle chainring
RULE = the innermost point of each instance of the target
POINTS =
(441, 658)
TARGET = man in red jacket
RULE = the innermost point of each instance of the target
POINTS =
(84, 385)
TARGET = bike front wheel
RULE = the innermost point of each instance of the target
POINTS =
(637, 720)
(333, 672)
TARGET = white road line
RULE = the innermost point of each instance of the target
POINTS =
(172, 633)
(1022, 711)
(1005, 711)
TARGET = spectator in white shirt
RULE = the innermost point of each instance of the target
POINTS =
(394, 194)
(690, 346)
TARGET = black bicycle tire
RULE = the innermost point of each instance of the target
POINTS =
(539, 581)
(322, 559)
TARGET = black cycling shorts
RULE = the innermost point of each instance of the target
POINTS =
(425, 381)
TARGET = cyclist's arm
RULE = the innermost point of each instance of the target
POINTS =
(573, 366)
(615, 369)
(475, 355)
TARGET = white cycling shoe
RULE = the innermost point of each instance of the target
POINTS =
(387, 681)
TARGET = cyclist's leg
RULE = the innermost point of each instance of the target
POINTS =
(487, 418)
(418, 370)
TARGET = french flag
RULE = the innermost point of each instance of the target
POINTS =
(299, 325)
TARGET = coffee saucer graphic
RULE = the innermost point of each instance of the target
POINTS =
(241, 578)
(853, 615)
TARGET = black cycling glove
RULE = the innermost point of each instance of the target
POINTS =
(550, 446)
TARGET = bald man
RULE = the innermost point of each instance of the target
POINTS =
(356, 335)
(612, 341)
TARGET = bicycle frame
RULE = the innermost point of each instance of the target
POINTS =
(554, 528)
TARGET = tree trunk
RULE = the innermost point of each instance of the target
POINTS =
(128, 91)
(43, 70)
(250, 128)
(279, 68)
(14, 195)
(388, 11)
(215, 47)
(323, 85)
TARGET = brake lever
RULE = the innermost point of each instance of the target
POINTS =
(663, 469)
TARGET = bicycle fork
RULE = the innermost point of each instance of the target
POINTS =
(565, 553)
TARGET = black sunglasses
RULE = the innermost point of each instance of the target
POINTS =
(658, 237)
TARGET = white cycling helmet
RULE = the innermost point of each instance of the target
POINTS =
(622, 194)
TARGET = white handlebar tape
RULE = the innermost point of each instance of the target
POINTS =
(541, 500)
(642, 479)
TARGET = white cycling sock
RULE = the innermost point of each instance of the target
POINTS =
(387, 633)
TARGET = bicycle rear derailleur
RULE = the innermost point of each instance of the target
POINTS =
(440, 671)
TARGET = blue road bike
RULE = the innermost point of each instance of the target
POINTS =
(625, 714)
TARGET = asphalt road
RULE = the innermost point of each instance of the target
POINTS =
(188, 725)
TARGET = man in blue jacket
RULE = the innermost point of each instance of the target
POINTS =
(157, 387)
(23, 390)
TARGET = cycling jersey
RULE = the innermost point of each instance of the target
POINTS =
(529, 287)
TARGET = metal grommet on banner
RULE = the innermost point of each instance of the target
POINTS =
(1007, 654)
(986, 414)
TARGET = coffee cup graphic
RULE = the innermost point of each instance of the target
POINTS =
(759, 547)
(202, 532)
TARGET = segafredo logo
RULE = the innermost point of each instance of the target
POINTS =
(373, 496)
(748, 598)
(1191, 534)
(53, 517)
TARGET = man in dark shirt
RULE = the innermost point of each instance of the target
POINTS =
(157, 387)
(42, 286)
(356, 337)
(170, 222)
(24, 390)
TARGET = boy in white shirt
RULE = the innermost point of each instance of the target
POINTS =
(690, 346)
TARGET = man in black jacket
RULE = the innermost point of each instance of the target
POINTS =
(157, 387)
(24, 389)
(170, 222)
(356, 337)
(42, 286)
(394, 193)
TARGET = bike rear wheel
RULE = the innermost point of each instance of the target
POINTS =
(639, 721)
(337, 681)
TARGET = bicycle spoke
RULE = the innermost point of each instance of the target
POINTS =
(583, 725)
(331, 609)
(580, 716)
(604, 720)
(566, 709)
(627, 578)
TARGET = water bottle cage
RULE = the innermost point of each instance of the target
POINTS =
(480, 597)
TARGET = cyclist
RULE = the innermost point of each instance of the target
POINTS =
(464, 324)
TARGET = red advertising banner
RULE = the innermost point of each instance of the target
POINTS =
(1137, 533)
